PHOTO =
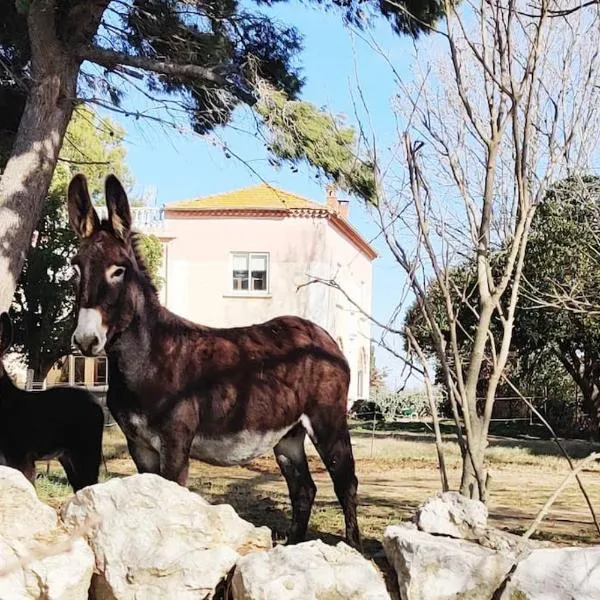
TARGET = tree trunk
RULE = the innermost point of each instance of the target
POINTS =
(473, 459)
(41, 369)
(29, 170)
(591, 403)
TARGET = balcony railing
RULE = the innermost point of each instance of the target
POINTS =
(144, 218)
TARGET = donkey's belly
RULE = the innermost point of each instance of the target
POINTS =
(235, 448)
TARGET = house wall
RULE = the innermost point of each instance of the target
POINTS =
(198, 281)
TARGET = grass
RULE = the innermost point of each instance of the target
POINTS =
(397, 471)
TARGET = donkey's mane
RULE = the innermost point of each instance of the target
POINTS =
(135, 239)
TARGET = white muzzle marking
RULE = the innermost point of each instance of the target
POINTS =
(90, 334)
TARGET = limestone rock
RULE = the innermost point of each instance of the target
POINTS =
(30, 528)
(556, 574)
(308, 571)
(451, 513)
(442, 568)
(157, 540)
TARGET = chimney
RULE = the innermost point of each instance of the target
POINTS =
(331, 197)
(343, 208)
(339, 207)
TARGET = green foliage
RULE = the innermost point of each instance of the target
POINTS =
(42, 307)
(95, 145)
(151, 249)
(562, 255)
(398, 405)
(301, 132)
(463, 285)
(238, 44)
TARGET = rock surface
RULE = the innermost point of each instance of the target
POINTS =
(442, 568)
(556, 574)
(30, 529)
(452, 514)
(307, 571)
(157, 540)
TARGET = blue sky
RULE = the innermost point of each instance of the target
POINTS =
(184, 165)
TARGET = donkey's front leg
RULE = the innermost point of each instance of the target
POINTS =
(175, 457)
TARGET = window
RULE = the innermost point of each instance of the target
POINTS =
(79, 370)
(360, 378)
(100, 377)
(359, 384)
(250, 272)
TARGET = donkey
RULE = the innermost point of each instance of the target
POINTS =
(63, 422)
(224, 396)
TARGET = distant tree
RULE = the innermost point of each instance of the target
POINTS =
(376, 375)
(42, 307)
(151, 250)
(201, 58)
(562, 261)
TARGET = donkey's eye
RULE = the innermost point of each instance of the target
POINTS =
(115, 274)
(76, 271)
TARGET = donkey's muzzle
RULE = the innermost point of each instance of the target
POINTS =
(90, 333)
(89, 345)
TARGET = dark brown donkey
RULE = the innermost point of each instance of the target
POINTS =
(62, 422)
(224, 396)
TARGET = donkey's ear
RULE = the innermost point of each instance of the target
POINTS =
(119, 214)
(82, 215)
(5, 333)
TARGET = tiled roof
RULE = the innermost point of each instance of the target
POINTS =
(261, 197)
(265, 200)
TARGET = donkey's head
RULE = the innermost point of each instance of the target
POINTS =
(108, 277)
(5, 338)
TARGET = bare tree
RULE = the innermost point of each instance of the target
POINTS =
(509, 106)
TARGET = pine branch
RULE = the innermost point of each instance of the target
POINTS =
(213, 76)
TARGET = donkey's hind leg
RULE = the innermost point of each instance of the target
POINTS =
(291, 458)
(332, 441)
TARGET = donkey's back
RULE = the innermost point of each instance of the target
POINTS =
(49, 422)
(63, 423)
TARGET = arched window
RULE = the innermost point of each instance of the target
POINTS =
(360, 376)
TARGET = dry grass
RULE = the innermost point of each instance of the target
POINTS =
(401, 473)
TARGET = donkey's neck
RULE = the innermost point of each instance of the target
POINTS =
(138, 350)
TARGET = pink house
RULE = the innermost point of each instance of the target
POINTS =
(246, 256)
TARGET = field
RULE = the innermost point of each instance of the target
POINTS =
(397, 471)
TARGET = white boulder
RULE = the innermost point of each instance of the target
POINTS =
(452, 514)
(556, 574)
(38, 558)
(307, 571)
(432, 567)
(157, 540)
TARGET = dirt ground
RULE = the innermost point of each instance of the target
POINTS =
(396, 473)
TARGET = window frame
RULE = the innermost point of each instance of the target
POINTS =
(78, 358)
(249, 292)
(97, 361)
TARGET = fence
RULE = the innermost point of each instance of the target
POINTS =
(407, 417)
